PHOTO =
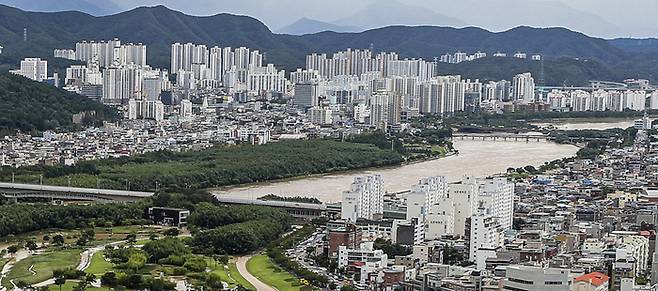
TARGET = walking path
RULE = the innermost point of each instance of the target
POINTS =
(20, 255)
(241, 263)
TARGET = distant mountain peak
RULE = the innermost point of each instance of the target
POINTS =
(307, 25)
(391, 12)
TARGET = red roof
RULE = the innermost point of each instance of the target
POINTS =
(596, 278)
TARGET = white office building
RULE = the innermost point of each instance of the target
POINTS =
(385, 109)
(440, 220)
(121, 84)
(320, 115)
(442, 95)
(112, 52)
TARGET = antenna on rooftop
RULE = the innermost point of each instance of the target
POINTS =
(541, 72)
(372, 47)
(25, 34)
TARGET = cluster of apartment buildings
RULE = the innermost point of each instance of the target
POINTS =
(475, 213)
(460, 56)
(358, 87)
(602, 100)
(585, 224)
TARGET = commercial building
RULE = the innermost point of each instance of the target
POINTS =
(527, 278)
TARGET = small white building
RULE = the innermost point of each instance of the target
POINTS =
(536, 279)
(365, 257)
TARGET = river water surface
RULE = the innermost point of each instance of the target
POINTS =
(476, 158)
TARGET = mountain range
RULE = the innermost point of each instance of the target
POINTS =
(159, 26)
(379, 14)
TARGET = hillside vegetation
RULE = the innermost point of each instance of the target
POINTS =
(32, 106)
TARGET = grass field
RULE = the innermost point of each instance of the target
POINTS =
(42, 266)
(262, 268)
(99, 265)
(69, 287)
(229, 274)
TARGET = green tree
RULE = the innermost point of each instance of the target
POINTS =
(109, 279)
(59, 281)
(58, 240)
(136, 262)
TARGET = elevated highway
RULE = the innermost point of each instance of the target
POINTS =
(15, 191)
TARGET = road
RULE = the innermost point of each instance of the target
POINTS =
(241, 263)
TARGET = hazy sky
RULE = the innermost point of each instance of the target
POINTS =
(604, 18)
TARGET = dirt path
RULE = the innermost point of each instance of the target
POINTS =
(241, 263)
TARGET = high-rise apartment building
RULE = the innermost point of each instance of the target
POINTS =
(364, 200)
(33, 69)
(523, 88)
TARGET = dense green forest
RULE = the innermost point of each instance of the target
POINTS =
(235, 229)
(218, 166)
(208, 216)
(22, 218)
(32, 106)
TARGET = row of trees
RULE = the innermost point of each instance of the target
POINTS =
(275, 251)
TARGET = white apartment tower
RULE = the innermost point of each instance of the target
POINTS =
(424, 195)
(185, 109)
(364, 200)
(497, 194)
(523, 88)
(464, 195)
(484, 233)
(385, 109)
(33, 69)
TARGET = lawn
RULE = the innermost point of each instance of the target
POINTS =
(69, 287)
(262, 268)
(229, 274)
(43, 266)
(99, 265)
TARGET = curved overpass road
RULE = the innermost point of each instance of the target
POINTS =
(241, 263)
